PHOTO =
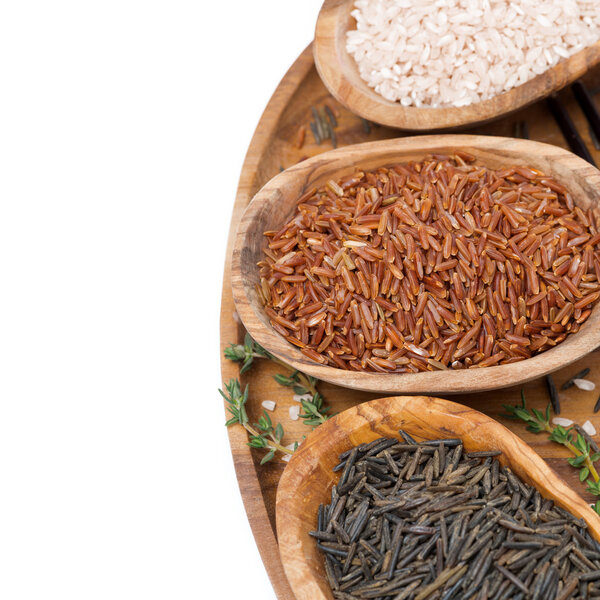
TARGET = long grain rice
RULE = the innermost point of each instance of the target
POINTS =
(430, 265)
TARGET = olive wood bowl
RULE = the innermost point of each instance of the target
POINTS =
(276, 201)
(308, 478)
(340, 75)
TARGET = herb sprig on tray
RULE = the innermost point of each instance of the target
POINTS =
(264, 434)
(583, 457)
(246, 353)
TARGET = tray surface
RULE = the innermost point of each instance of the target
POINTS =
(274, 146)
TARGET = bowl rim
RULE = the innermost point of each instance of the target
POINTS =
(374, 415)
(430, 382)
(339, 73)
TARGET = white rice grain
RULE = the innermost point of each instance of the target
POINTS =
(589, 428)
(431, 52)
(300, 397)
(584, 384)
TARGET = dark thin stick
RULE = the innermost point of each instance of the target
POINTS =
(331, 134)
(512, 578)
(315, 132)
(571, 382)
(331, 123)
(521, 130)
(594, 139)
(588, 106)
(553, 393)
(319, 123)
(331, 116)
(568, 129)
(597, 405)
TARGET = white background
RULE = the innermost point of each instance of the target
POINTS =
(123, 127)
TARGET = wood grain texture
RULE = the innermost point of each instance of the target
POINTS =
(340, 75)
(276, 202)
(308, 478)
(274, 146)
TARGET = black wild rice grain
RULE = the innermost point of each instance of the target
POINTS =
(553, 393)
(521, 130)
(415, 520)
(571, 382)
(594, 139)
(315, 132)
(320, 125)
(331, 116)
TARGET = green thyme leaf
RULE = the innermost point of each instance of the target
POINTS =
(257, 441)
(279, 432)
(267, 457)
(283, 380)
(576, 461)
(539, 415)
(594, 487)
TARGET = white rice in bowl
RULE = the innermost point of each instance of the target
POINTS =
(456, 52)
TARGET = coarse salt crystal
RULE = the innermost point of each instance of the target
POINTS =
(294, 412)
(589, 428)
(584, 384)
(236, 317)
(562, 422)
(268, 404)
(286, 457)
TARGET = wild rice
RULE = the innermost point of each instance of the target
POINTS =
(429, 265)
(417, 520)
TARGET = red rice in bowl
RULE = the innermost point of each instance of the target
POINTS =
(431, 265)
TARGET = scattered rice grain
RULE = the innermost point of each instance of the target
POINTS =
(589, 428)
(562, 422)
(585, 384)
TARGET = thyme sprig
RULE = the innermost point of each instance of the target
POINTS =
(583, 458)
(315, 412)
(246, 353)
(262, 434)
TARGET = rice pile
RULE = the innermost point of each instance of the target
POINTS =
(431, 265)
(457, 52)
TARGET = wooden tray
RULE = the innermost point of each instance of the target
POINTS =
(274, 147)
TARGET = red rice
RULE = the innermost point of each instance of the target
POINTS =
(430, 265)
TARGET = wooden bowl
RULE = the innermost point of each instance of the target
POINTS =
(340, 75)
(308, 478)
(276, 201)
